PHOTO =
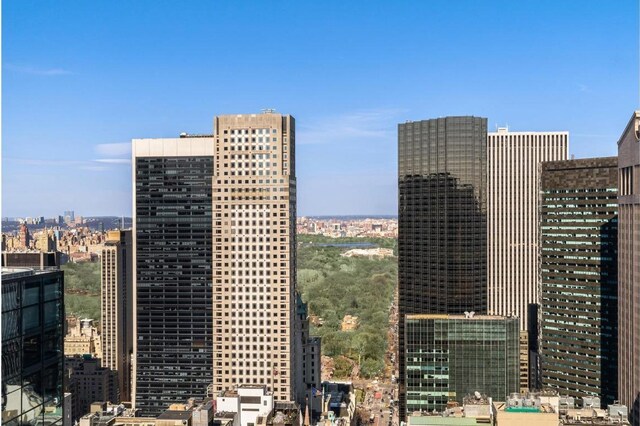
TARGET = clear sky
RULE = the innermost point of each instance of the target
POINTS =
(81, 79)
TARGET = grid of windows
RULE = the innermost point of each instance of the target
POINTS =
(578, 251)
(116, 302)
(450, 358)
(174, 258)
(254, 268)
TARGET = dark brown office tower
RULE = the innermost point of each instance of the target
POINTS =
(629, 268)
(579, 264)
(442, 240)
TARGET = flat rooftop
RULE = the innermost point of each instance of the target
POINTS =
(456, 316)
(18, 272)
(175, 415)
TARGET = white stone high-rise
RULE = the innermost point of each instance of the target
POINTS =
(513, 166)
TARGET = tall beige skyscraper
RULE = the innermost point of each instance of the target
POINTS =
(513, 164)
(629, 267)
(254, 210)
(117, 304)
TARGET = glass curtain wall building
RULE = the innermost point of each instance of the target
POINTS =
(451, 356)
(579, 275)
(173, 256)
(32, 346)
(442, 240)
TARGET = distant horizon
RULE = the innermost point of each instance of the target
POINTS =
(333, 216)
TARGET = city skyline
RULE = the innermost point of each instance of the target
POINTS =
(79, 82)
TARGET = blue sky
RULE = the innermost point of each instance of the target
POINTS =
(81, 79)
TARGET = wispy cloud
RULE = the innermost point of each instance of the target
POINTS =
(114, 153)
(94, 168)
(114, 149)
(37, 71)
(114, 160)
(368, 124)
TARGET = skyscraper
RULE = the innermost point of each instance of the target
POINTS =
(442, 240)
(452, 356)
(173, 281)
(578, 252)
(116, 276)
(629, 268)
(32, 346)
(254, 210)
(214, 237)
(513, 165)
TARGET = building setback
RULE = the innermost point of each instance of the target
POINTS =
(32, 345)
(442, 238)
(629, 268)
(173, 257)
(254, 210)
(451, 356)
(578, 252)
(116, 276)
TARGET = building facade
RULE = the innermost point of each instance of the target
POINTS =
(88, 382)
(629, 268)
(451, 356)
(442, 221)
(579, 263)
(254, 210)
(173, 280)
(32, 345)
(116, 279)
(513, 165)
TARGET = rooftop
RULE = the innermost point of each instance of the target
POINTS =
(13, 273)
(224, 415)
(470, 315)
(175, 415)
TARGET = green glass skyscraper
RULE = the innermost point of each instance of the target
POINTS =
(451, 356)
(579, 277)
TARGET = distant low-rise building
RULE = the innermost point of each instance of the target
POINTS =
(539, 409)
(249, 401)
(349, 323)
(82, 338)
(283, 414)
(339, 404)
(475, 410)
(89, 382)
(379, 253)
